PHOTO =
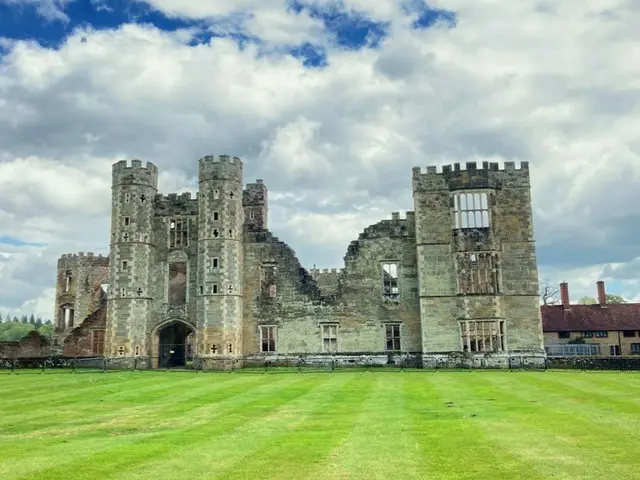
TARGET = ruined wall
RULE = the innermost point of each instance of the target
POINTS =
(352, 298)
(476, 256)
(32, 345)
(256, 206)
(78, 286)
(80, 341)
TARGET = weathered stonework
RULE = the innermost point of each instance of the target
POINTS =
(204, 280)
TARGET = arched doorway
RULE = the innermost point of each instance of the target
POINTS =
(175, 345)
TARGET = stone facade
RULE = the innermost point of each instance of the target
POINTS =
(79, 292)
(204, 280)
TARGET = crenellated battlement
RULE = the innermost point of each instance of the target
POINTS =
(471, 167)
(69, 260)
(176, 204)
(220, 167)
(134, 172)
(454, 177)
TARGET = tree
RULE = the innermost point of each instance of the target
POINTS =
(610, 297)
(32, 319)
(548, 293)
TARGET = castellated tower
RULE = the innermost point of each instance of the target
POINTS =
(78, 291)
(131, 257)
(256, 206)
(478, 278)
(220, 258)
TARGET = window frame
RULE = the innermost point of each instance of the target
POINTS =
(460, 209)
(393, 338)
(390, 295)
(272, 343)
(331, 338)
(467, 337)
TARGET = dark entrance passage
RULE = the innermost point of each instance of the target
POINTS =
(175, 346)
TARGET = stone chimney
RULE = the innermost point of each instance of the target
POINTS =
(602, 297)
(564, 294)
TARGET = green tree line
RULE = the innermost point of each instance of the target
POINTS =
(14, 328)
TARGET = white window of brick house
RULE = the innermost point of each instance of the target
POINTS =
(470, 210)
(267, 338)
(390, 284)
(482, 335)
(392, 331)
(329, 338)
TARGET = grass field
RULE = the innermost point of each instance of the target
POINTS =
(418, 425)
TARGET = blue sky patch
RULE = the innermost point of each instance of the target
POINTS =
(427, 17)
(16, 242)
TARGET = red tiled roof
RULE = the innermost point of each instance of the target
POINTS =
(584, 318)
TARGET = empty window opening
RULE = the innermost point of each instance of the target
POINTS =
(125, 265)
(68, 280)
(393, 337)
(97, 342)
(251, 215)
(214, 289)
(216, 233)
(330, 338)
(471, 210)
(178, 233)
(201, 289)
(216, 194)
(127, 221)
(215, 263)
(215, 216)
(478, 273)
(482, 335)
(267, 338)
(390, 288)
(67, 315)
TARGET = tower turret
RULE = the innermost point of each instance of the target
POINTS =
(220, 257)
(130, 259)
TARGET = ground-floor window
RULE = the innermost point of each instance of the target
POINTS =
(267, 338)
(635, 348)
(97, 342)
(393, 337)
(330, 338)
(482, 335)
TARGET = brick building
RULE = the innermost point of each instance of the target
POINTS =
(614, 329)
(32, 345)
(204, 279)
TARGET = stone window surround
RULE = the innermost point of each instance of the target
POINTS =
(475, 329)
(486, 197)
(393, 337)
(392, 295)
(329, 336)
(274, 339)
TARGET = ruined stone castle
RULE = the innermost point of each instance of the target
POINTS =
(204, 280)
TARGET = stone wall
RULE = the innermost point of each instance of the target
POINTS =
(80, 341)
(82, 292)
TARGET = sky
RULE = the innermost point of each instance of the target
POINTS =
(331, 103)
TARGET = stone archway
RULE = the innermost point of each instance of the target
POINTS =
(175, 344)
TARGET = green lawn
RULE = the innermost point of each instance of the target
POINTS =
(361, 425)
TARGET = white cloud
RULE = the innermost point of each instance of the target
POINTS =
(557, 86)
